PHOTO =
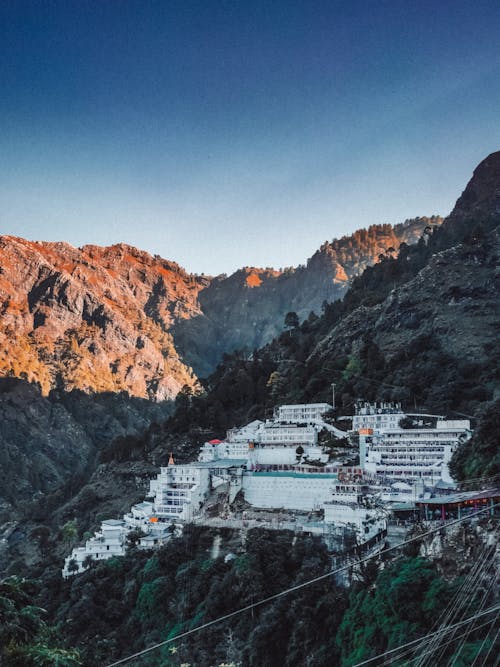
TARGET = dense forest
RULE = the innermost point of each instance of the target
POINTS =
(125, 604)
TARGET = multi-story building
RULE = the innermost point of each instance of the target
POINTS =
(273, 433)
(379, 416)
(106, 543)
(179, 491)
(351, 508)
(302, 412)
(413, 453)
(217, 449)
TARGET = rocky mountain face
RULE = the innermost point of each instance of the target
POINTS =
(247, 309)
(118, 319)
(47, 440)
(92, 318)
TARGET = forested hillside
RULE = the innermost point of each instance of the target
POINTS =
(418, 327)
(127, 604)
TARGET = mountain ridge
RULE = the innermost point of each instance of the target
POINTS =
(117, 319)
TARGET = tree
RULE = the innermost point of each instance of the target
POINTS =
(47, 656)
(69, 531)
(134, 536)
(73, 566)
(24, 637)
(291, 320)
(88, 561)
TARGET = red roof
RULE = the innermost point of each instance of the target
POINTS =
(215, 442)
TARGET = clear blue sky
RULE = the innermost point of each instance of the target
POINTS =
(222, 134)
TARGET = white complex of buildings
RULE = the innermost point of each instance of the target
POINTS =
(277, 464)
(405, 454)
(178, 494)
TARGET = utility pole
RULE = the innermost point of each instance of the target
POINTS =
(333, 395)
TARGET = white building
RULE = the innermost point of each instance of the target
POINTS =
(288, 489)
(349, 508)
(244, 433)
(218, 449)
(274, 433)
(106, 543)
(179, 491)
(397, 454)
(285, 455)
(302, 412)
(380, 416)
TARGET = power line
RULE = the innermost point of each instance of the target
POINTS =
(408, 651)
(421, 639)
(292, 589)
(456, 603)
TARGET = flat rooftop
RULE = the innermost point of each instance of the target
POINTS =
(222, 463)
(461, 497)
(296, 475)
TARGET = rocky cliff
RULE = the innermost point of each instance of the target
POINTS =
(118, 319)
(92, 318)
(247, 309)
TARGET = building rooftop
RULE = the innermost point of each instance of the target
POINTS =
(143, 506)
(461, 497)
(296, 475)
(113, 522)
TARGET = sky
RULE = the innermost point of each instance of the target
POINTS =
(239, 133)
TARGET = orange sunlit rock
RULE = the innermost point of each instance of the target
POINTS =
(253, 280)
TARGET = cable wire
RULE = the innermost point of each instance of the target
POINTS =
(300, 586)
(421, 639)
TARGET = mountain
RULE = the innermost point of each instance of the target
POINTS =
(419, 327)
(92, 318)
(247, 309)
(118, 319)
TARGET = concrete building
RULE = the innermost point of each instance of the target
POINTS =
(302, 412)
(351, 508)
(381, 416)
(288, 489)
(179, 491)
(289, 455)
(244, 433)
(273, 433)
(106, 543)
(217, 449)
(397, 454)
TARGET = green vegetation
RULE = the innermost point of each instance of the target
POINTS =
(25, 638)
(123, 605)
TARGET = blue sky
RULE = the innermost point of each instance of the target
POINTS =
(223, 134)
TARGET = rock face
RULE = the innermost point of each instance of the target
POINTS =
(482, 195)
(453, 300)
(118, 319)
(93, 318)
(248, 308)
(46, 440)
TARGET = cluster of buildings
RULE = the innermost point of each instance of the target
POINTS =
(279, 464)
